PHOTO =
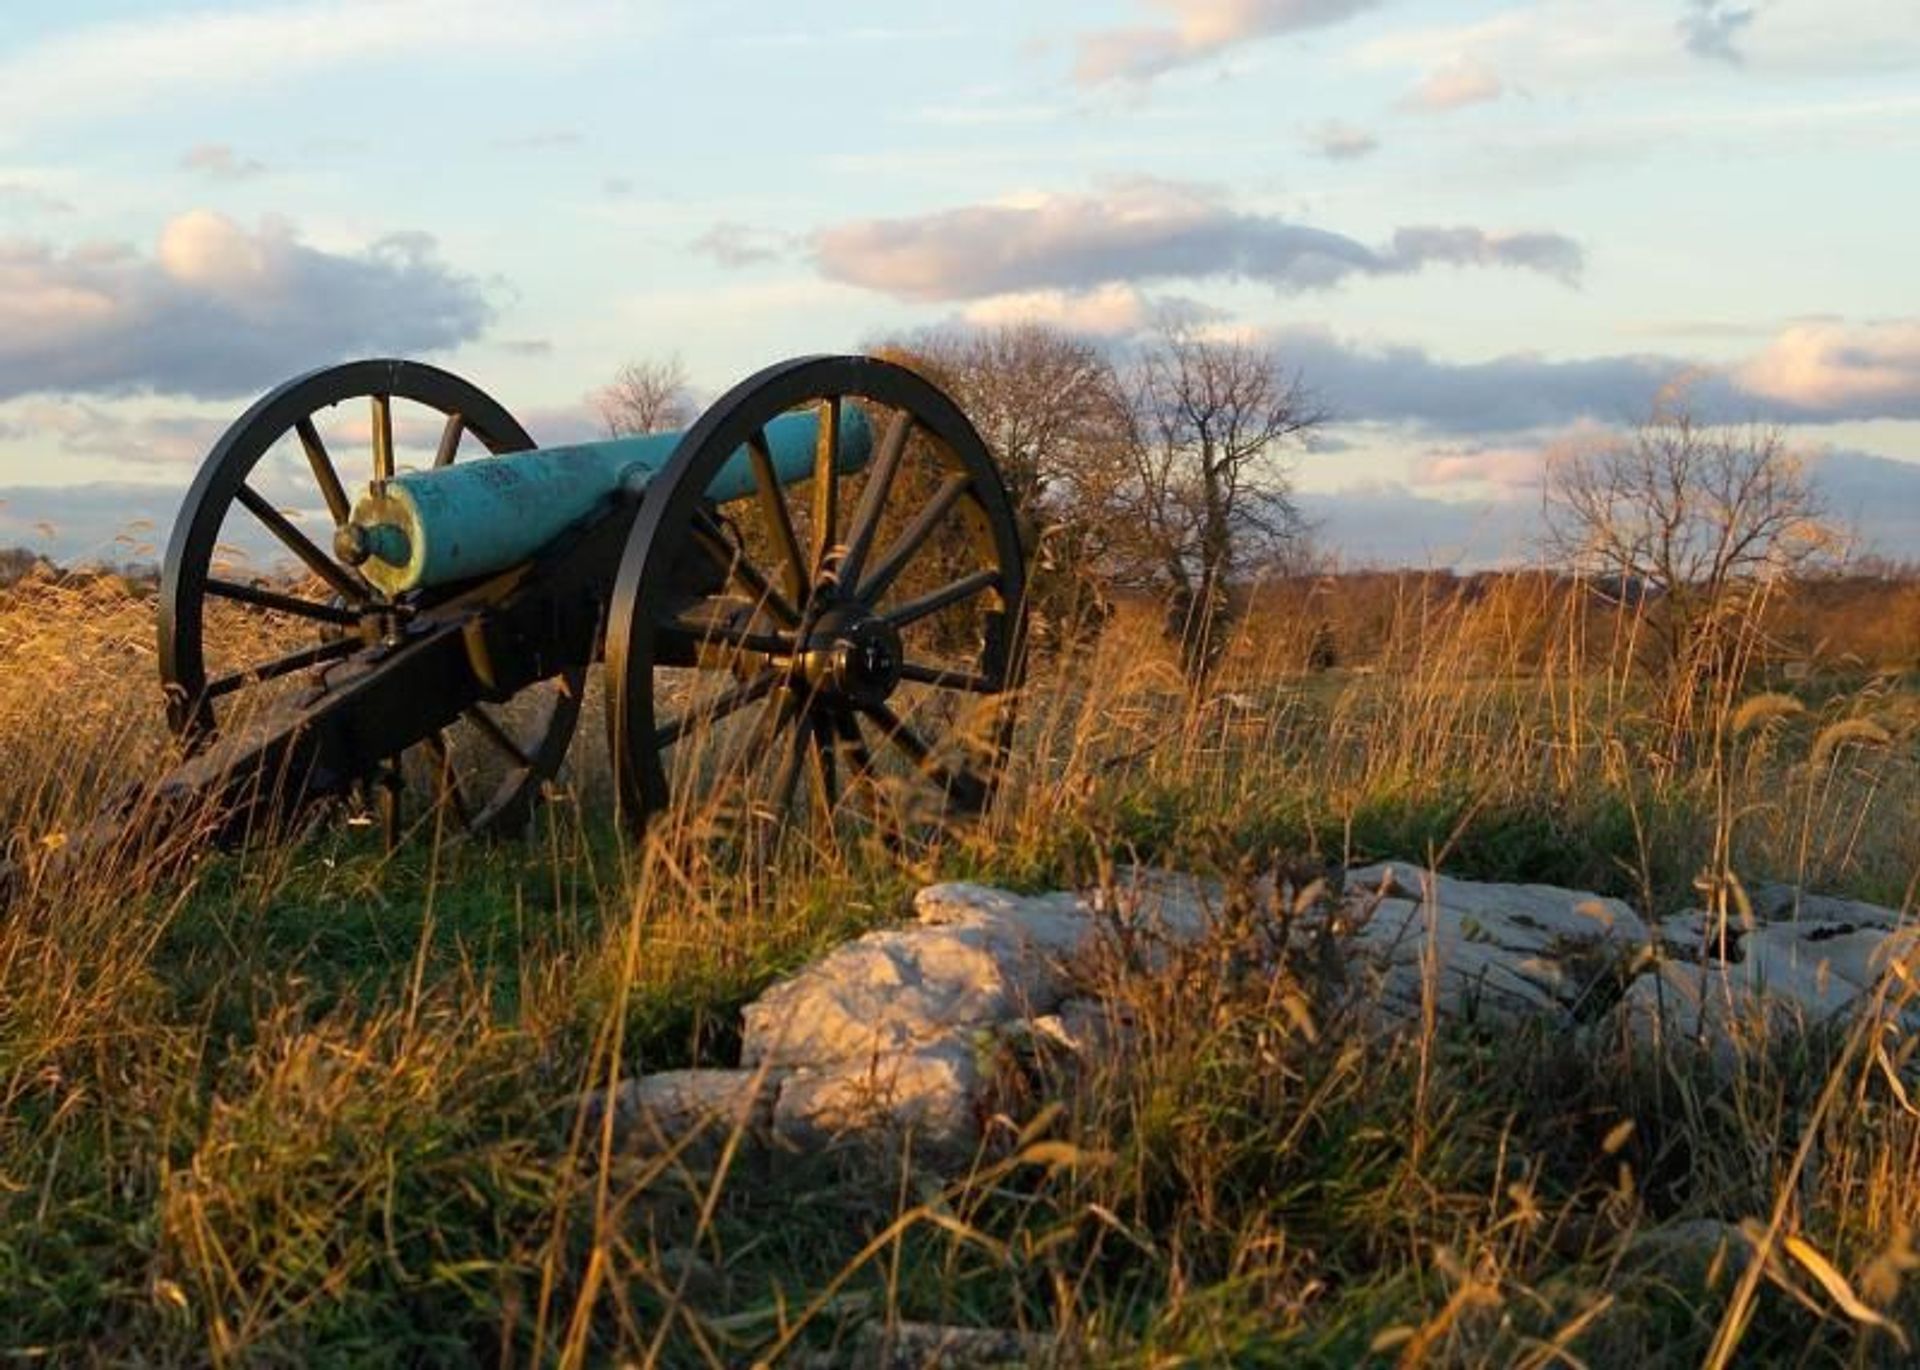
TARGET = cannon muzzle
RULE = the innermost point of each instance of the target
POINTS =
(452, 523)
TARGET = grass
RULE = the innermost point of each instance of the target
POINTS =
(317, 1103)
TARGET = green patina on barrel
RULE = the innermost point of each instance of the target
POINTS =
(475, 517)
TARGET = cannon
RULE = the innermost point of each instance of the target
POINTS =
(808, 601)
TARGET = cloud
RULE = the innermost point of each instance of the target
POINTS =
(1825, 372)
(736, 244)
(1200, 29)
(1427, 522)
(1390, 525)
(1454, 86)
(1833, 370)
(105, 521)
(28, 199)
(218, 310)
(1107, 311)
(1144, 231)
(218, 162)
(1338, 142)
(88, 429)
(1709, 27)
(1397, 383)
(1564, 46)
(1503, 468)
(1876, 498)
(111, 68)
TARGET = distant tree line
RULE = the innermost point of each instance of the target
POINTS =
(1161, 468)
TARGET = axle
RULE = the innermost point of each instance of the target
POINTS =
(456, 522)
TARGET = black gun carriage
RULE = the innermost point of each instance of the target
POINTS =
(811, 596)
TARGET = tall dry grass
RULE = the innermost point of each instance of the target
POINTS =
(319, 1103)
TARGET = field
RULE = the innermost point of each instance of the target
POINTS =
(319, 1103)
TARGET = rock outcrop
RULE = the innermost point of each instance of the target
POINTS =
(901, 1035)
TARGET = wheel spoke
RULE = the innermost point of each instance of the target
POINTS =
(947, 595)
(949, 680)
(342, 580)
(730, 701)
(691, 627)
(286, 665)
(285, 604)
(826, 482)
(847, 725)
(490, 728)
(911, 540)
(962, 784)
(324, 475)
(382, 437)
(787, 779)
(735, 566)
(824, 765)
(773, 507)
(873, 497)
(449, 440)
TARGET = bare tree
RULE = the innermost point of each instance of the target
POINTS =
(1050, 408)
(1209, 493)
(649, 396)
(1699, 522)
(1045, 401)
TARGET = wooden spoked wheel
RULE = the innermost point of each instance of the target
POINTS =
(843, 651)
(256, 607)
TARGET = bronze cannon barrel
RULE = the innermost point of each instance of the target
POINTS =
(452, 523)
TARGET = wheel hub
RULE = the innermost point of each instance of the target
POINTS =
(853, 655)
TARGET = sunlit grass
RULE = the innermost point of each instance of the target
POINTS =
(318, 1101)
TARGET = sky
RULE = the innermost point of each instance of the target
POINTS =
(1478, 231)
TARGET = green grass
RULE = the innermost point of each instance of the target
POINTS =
(318, 1105)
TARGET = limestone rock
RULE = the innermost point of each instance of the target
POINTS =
(655, 1112)
(1775, 976)
(928, 1091)
(975, 956)
(1778, 903)
(1495, 952)
(910, 1032)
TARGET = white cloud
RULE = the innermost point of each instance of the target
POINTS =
(1454, 86)
(1200, 29)
(1834, 369)
(1114, 310)
(124, 65)
(21, 197)
(219, 309)
(1558, 45)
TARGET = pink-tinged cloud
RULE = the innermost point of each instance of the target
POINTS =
(1826, 372)
(1504, 468)
(1145, 231)
(218, 309)
(1454, 86)
(1507, 471)
(1831, 369)
(1199, 29)
(1108, 311)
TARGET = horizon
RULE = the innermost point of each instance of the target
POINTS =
(1479, 230)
